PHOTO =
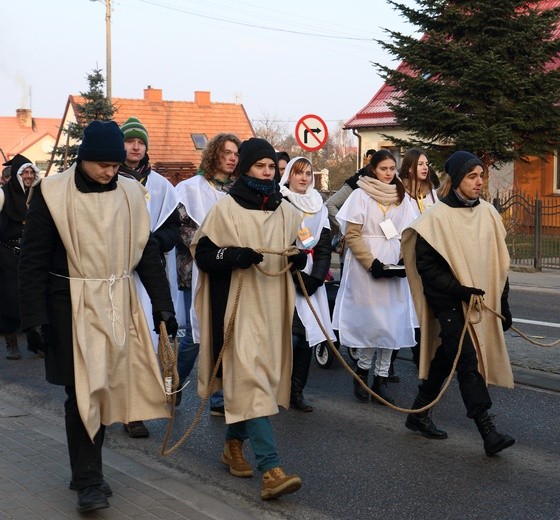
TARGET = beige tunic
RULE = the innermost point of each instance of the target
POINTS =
(257, 364)
(472, 242)
(116, 370)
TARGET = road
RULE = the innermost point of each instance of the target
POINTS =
(357, 461)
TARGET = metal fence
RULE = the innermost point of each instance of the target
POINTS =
(533, 227)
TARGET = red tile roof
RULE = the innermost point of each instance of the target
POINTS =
(377, 112)
(21, 131)
(171, 123)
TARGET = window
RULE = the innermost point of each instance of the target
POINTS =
(200, 141)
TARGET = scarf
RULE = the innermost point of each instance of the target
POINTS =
(140, 173)
(251, 193)
(309, 202)
(385, 194)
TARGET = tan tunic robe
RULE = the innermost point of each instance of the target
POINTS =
(257, 364)
(116, 370)
(472, 242)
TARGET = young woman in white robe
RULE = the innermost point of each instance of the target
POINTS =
(372, 310)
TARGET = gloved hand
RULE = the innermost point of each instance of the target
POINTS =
(465, 293)
(170, 322)
(377, 270)
(507, 323)
(299, 260)
(243, 257)
(311, 284)
(35, 339)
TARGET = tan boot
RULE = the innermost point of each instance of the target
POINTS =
(13, 348)
(233, 457)
(276, 483)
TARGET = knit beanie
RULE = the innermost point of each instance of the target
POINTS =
(102, 142)
(253, 150)
(132, 127)
(459, 164)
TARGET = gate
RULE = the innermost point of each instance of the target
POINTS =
(533, 229)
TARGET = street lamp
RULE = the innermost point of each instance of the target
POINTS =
(107, 44)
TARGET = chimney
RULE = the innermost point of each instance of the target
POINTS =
(153, 95)
(24, 117)
(202, 98)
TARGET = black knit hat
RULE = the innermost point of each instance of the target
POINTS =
(103, 142)
(459, 164)
(16, 162)
(253, 150)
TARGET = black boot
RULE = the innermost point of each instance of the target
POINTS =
(494, 442)
(359, 392)
(380, 388)
(300, 371)
(392, 377)
(422, 422)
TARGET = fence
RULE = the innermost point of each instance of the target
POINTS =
(533, 227)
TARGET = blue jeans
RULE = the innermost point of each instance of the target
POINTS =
(188, 352)
(259, 433)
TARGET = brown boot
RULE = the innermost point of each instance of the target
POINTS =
(233, 457)
(276, 483)
(13, 348)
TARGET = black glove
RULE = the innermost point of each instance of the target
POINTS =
(299, 260)
(170, 322)
(311, 284)
(507, 323)
(35, 339)
(465, 293)
(243, 257)
(377, 270)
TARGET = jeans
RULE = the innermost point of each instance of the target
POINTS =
(259, 433)
(85, 456)
(471, 383)
(188, 352)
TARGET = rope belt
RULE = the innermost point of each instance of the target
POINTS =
(114, 315)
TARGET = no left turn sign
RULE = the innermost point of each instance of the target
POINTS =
(311, 133)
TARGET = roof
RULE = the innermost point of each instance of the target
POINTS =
(377, 114)
(170, 124)
(19, 132)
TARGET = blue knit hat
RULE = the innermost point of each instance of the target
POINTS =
(459, 164)
(102, 142)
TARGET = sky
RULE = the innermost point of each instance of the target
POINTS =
(281, 60)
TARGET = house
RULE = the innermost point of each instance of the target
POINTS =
(178, 130)
(540, 176)
(33, 137)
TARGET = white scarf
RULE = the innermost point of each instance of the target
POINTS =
(308, 202)
(381, 192)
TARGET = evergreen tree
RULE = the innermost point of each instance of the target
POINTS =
(95, 106)
(481, 78)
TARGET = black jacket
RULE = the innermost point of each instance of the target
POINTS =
(45, 298)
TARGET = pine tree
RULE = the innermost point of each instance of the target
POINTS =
(479, 79)
(95, 106)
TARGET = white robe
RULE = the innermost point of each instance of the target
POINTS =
(370, 312)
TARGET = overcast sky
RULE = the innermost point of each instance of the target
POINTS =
(280, 59)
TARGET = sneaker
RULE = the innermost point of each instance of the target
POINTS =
(217, 411)
(276, 483)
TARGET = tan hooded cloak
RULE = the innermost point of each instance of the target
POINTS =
(472, 242)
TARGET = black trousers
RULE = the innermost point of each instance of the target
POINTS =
(471, 383)
(85, 456)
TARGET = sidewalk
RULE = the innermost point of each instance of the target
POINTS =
(35, 472)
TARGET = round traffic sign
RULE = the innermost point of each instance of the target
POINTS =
(311, 133)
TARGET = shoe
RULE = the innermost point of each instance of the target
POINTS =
(217, 411)
(91, 498)
(298, 402)
(422, 422)
(380, 388)
(13, 349)
(233, 457)
(392, 377)
(136, 430)
(494, 442)
(276, 483)
(359, 393)
(104, 487)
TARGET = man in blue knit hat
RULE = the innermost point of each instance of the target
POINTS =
(87, 231)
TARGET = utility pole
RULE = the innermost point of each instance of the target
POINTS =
(108, 45)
